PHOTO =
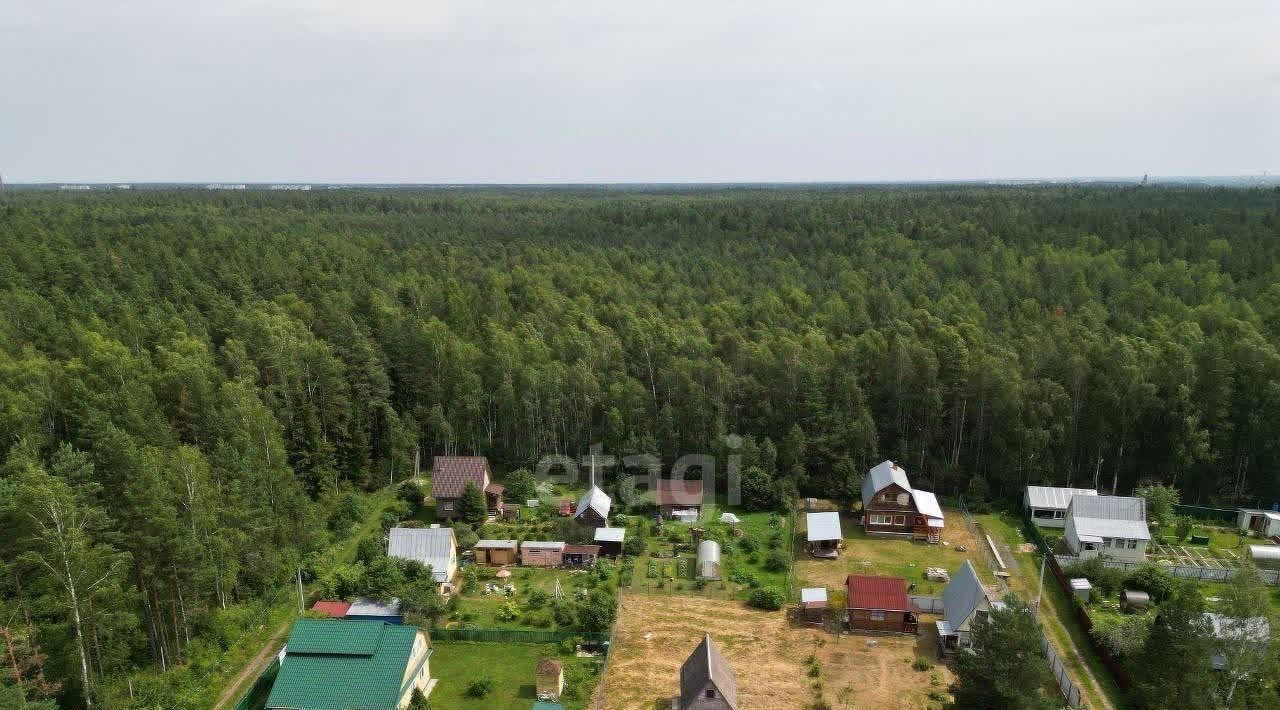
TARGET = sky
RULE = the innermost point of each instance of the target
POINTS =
(540, 91)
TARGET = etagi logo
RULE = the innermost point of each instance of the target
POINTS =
(691, 481)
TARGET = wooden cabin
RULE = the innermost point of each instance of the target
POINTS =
(450, 476)
(610, 540)
(495, 553)
(581, 555)
(538, 553)
(706, 680)
(679, 499)
(879, 604)
(892, 508)
(549, 679)
(814, 604)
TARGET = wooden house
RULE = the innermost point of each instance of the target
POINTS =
(593, 509)
(706, 680)
(450, 476)
(891, 507)
(549, 679)
(679, 499)
(879, 604)
(610, 540)
(581, 555)
(823, 534)
(537, 553)
(814, 604)
(495, 553)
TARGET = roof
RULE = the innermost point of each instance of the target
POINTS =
(708, 551)
(549, 665)
(449, 474)
(364, 606)
(730, 518)
(705, 665)
(1109, 516)
(1264, 552)
(962, 595)
(813, 594)
(596, 500)
(882, 475)
(672, 492)
(1274, 515)
(1229, 628)
(927, 503)
(581, 549)
(495, 488)
(823, 526)
(430, 546)
(610, 534)
(1052, 497)
(339, 665)
(327, 607)
(496, 545)
(872, 592)
(541, 545)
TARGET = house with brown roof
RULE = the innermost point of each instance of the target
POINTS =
(879, 604)
(706, 680)
(450, 476)
(892, 508)
(678, 498)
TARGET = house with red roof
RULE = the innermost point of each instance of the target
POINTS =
(330, 608)
(879, 604)
(678, 498)
(451, 474)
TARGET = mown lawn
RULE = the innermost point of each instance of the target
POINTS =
(510, 667)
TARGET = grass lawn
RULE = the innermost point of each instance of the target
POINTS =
(482, 609)
(511, 668)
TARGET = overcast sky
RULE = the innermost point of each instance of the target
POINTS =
(635, 91)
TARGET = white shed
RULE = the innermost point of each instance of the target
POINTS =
(1264, 522)
(708, 559)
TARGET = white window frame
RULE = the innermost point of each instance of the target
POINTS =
(1133, 544)
(899, 520)
(876, 615)
(1059, 515)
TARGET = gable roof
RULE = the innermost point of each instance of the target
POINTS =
(450, 474)
(549, 666)
(594, 499)
(496, 545)
(430, 546)
(1053, 497)
(365, 606)
(705, 665)
(962, 595)
(884, 473)
(873, 592)
(542, 545)
(1109, 516)
(927, 503)
(335, 609)
(339, 665)
(611, 534)
(581, 549)
(669, 491)
(822, 526)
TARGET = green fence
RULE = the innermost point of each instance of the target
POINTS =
(256, 698)
(514, 635)
(1217, 515)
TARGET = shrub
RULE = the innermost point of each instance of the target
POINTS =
(1104, 578)
(1153, 580)
(767, 598)
(921, 664)
(776, 561)
(480, 688)
(744, 578)
(538, 599)
(815, 670)
(345, 514)
(748, 544)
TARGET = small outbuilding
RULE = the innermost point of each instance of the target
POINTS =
(1081, 589)
(537, 553)
(879, 604)
(1265, 556)
(550, 679)
(708, 559)
(814, 604)
(1264, 522)
(610, 540)
(1133, 601)
(495, 552)
(366, 609)
(593, 509)
(581, 555)
(823, 534)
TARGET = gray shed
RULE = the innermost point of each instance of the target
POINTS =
(708, 559)
(1081, 588)
(1265, 556)
(1133, 601)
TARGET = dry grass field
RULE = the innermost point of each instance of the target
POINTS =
(655, 634)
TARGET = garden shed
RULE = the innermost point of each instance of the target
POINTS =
(1081, 589)
(550, 679)
(1265, 556)
(1133, 601)
(813, 604)
(541, 554)
(610, 540)
(823, 534)
(367, 609)
(495, 552)
(708, 559)
(581, 555)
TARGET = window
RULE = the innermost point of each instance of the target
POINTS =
(711, 692)
(877, 616)
(1059, 514)
(881, 519)
(1042, 514)
(1133, 544)
(979, 617)
(904, 499)
(899, 520)
(1106, 542)
(446, 505)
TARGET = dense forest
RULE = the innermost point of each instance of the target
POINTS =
(184, 375)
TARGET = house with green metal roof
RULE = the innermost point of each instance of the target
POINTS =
(351, 665)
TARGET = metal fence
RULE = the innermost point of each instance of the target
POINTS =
(515, 635)
(1215, 574)
(926, 605)
(1220, 515)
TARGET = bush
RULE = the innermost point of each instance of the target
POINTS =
(776, 561)
(345, 514)
(921, 664)
(1108, 580)
(748, 544)
(479, 688)
(1153, 580)
(767, 598)
(744, 578)
(538, 599)
(634, 545)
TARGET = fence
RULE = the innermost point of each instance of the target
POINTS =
(1070, 691)
(515, 635)
(256, 698)
(926, 605)
(1215, 574)
(1217, 515)
(604, 671)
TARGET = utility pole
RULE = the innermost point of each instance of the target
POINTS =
(1040, 592)
(301, 602)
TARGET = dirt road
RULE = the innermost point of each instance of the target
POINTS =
(240, 683)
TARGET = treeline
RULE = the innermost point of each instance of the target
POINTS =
(187, 372)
